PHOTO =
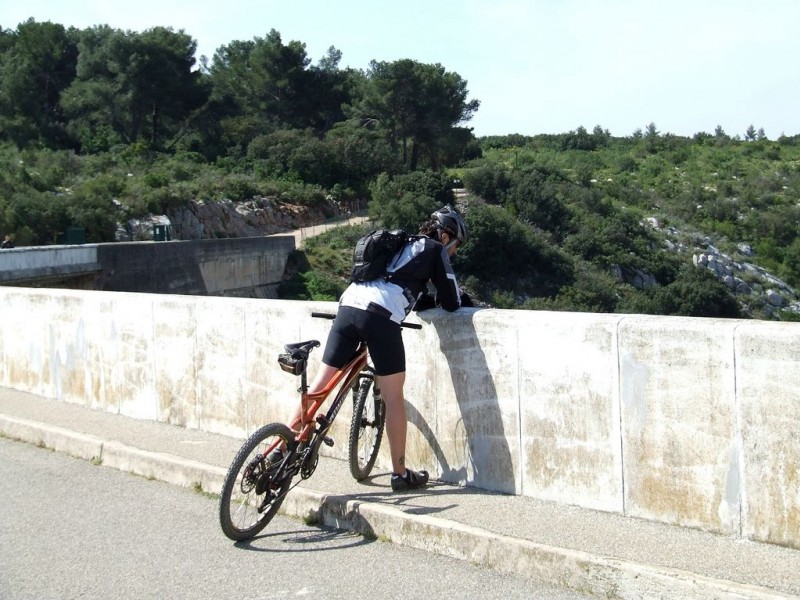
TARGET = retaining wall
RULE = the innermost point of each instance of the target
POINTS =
(687, 421)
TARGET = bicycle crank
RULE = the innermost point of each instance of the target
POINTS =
(311, 459)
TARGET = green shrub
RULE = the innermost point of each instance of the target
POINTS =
(694, 293)
(238, 187)
(489, 181)
(322, 286)
(508, 255)
(407, 201)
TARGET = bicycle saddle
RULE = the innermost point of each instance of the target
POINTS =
(301, 349)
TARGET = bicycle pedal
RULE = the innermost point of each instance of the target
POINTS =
(328, 441)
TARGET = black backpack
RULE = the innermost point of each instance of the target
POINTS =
(374, 251)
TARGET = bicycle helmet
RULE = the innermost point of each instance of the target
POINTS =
(448, 219)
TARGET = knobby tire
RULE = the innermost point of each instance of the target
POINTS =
(366, 430)
(240, 500)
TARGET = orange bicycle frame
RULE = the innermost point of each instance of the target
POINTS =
(312, 402)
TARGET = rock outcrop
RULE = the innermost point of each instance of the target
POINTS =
(758, 292)
(198, 219)
(752, 285)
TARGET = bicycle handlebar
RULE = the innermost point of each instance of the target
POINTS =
(331, 316)
(320, 315)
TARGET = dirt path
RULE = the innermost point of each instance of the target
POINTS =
(300, 235)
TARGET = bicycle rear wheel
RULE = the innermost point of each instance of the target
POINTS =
(255, 486)
(366, 429)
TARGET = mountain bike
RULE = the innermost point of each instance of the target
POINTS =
(262, 471)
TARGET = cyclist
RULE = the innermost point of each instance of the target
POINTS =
(372, 311)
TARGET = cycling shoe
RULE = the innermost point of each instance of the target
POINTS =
(409, 481)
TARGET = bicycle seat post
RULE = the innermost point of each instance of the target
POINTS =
(303, 391)
(303, 382)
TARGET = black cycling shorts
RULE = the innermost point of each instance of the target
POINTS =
(382, 335)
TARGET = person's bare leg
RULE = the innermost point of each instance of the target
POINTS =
(324, 375)
(391, 387)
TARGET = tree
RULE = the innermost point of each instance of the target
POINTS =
(7, 40)
(37, 63)
(750, 134)
(579, 140)
(133, 87)
(720, 136)
(330, 88)
(417, 106)
(265, 85)
(363, 153)
(651, 138)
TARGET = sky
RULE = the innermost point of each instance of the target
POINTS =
(536, 66)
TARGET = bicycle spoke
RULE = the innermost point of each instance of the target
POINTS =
(254, 488)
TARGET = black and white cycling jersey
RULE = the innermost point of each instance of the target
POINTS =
(420, 261)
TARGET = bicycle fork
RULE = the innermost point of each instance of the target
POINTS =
(376, 397)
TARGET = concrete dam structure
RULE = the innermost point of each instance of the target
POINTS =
(243, 267)
(687, 421)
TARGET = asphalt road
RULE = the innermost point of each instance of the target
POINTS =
(70, 529)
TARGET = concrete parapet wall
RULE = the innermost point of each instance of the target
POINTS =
(18, 264)
(686, 421)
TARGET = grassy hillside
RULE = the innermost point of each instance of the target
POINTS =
(619, 224)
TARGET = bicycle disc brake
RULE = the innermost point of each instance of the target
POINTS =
(253, 476)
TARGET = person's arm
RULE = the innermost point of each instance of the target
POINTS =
(448, 294)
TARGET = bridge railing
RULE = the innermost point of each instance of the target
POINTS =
(682, 420)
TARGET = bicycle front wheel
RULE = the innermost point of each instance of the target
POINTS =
(366, 429)
(256, 483)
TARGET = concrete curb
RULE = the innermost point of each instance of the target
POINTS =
(79, 445)
(580, 571)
